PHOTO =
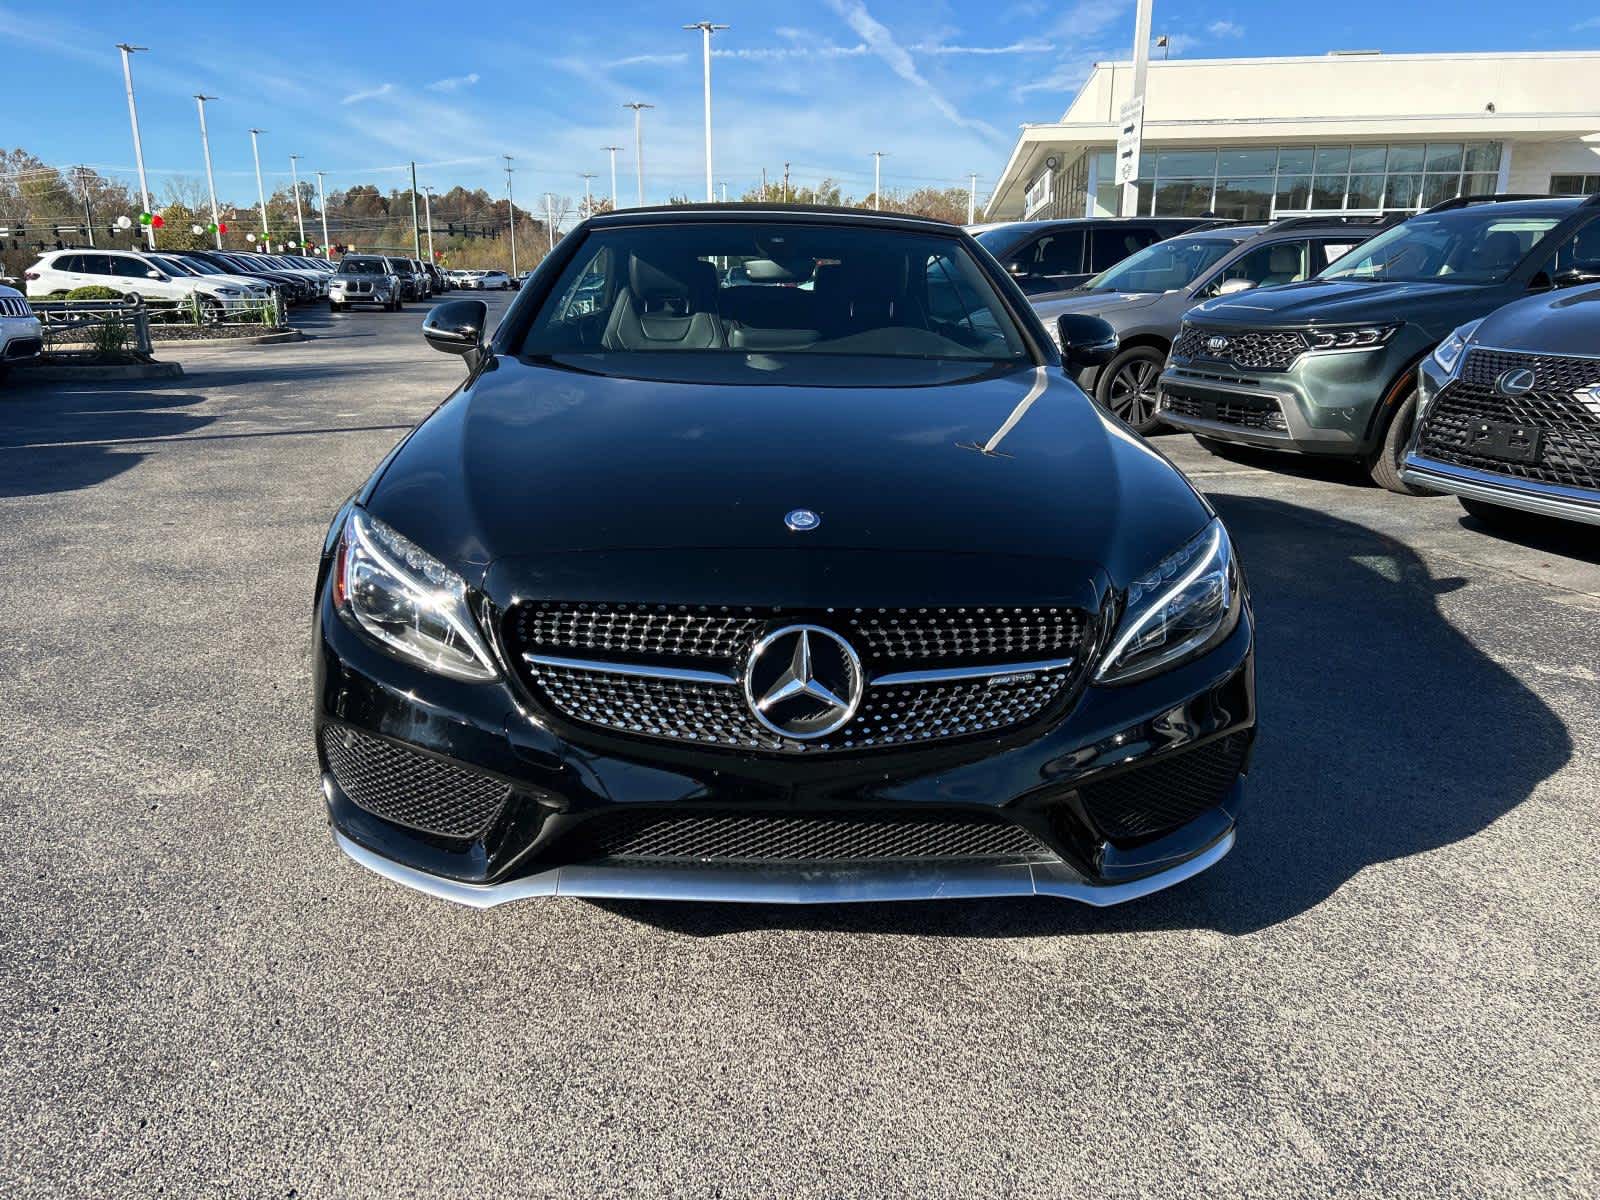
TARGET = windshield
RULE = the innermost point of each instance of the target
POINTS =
(831, 289)
(1463, 245)
(1164, 267)
(201, 267)
(173, 266)
(363, 266)
(998, 241)
(399, 266)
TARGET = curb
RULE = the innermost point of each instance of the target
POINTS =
(58, 374)
(261, 339)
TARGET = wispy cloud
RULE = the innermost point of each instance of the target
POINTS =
(383, 89)
(1013, 48)
(898, 59)
(652, 60)
(453, 83)
(775, 53)
(1232, 29)
(1591, 23)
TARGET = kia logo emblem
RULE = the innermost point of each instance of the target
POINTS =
(1216, 343)
(1518, 381)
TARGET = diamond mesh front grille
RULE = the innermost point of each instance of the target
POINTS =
(1245, 412)
(1170, 792)
(637, 630)
(411, 788)
(733, 838)
(1569, 450)
(1257, 349)
(717, 715)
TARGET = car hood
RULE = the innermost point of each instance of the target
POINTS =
(1559, 323)
(1327, 303)
(1096, 304)
(532, 461)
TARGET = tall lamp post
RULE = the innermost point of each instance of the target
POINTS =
(211, 183)
(638, 144)
(261, 192)
(327, 250)
(588, 196)
(427, 215)
(299, 217)
(138, 147)
(972, 198)
(877, 178)
(613, 150)
(511, 207)
(706, 29)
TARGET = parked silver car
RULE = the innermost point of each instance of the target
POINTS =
(364, 279)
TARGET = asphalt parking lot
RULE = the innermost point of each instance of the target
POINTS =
(1390, 988)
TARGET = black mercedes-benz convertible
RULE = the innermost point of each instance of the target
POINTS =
(770, 554)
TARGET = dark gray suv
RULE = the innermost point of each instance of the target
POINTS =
(1145, 296)
(1052, 256)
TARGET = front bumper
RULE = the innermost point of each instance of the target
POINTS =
(1324, 404)
(562, 785)
(21, 340)
(339, 295)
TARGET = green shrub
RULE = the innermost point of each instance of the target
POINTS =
(110, 339)
(95, 292)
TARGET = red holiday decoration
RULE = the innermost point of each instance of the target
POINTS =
(157, 221)
(222, 227)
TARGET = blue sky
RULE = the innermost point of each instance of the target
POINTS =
(941, 85)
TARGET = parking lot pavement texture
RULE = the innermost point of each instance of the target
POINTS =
(1388, 989)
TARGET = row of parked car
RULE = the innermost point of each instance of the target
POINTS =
(1455, 351)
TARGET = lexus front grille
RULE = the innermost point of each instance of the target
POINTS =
(684, 673)
(1563, 407)
(1254, 349)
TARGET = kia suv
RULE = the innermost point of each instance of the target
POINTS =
(1145, 295)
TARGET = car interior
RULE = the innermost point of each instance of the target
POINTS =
(773, 289)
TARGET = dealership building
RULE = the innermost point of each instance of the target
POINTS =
(1351, 131)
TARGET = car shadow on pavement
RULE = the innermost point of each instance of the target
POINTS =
(1385, 733)
(50, 437)
(1569, 539)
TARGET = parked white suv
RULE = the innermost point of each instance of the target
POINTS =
(20, 336)
(123, 271)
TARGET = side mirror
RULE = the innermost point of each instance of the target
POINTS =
(154, 274)
(1017, 270)
(1085, 341)
(1233, 286)
(456, 327)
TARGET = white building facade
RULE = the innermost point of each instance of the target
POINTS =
(1352, 132)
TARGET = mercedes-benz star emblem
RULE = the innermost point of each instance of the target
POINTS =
(803, 681)
(802, 519)
(1216, 343)
(1518, 381)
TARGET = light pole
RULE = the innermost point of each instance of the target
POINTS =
(638, 144)
(877, 178)
(1135, 106)
(327, 250)
(299, 217)
(588, 199)
(549, 222)
(416, 230)
(205, 145)
(724, 191)
(427, 215)
(511, 207)
(972, 198)
(261, 192)
(706, 29)
(613, 150)
(138, 147)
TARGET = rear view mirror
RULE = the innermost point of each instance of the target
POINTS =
(456, 327)
(1085, 341)
(1235, 285)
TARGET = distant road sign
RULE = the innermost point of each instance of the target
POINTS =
(1128, 141)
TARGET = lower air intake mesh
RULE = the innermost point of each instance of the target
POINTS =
(411, 788)
(1152, 800)
(737, 837)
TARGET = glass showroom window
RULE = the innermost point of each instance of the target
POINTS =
(1254, 184)
(1574, 185)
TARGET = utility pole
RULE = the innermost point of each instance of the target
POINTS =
(427, 215)
(511, 207)
(138, 147)
(549, 221)
(205, 145)
(972, 198)
(877, 178)
(613, 150)
(299, 217)
(763, 183)
(588, 199)
(724, 191)
(88, 214)
(1133, 111)
(261, 192)
(786, 183)
(416, 229)
(638, 144)
(706, 29)
(327, 250)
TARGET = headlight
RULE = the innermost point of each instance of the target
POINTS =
(1365, 337)
(1182, 606)
(408, 601)
(1447, 354)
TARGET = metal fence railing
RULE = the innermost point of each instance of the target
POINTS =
(99, 327)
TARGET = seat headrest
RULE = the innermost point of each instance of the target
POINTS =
(1284, 259)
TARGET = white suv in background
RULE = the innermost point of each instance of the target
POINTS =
(21, 339)
(123, 271)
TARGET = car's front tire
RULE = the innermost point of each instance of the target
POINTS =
(1127, 386)
(1384, 465)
